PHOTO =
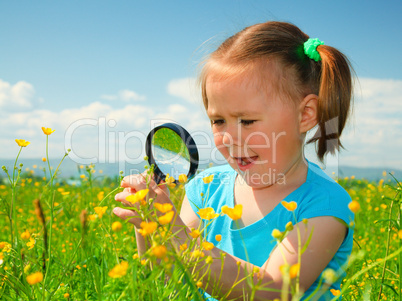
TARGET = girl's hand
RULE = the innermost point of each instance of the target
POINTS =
(132, 184)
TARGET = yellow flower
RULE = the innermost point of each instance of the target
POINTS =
(66, 295)
(291, 206)
(294, 270)
(116, 226)
(47, 131)
(135, 256)
(183, 178)
(159, 251)
(27, 268)
(5, 246)
(147, 228)
(22, 142)
(43, 159)
(35, 278)
(167, 218)
(218, 237)
(354, 206)
(234, 213)
(329, 276)
(209, 260)
(207, 245)
(183, 247)
(197, 253)
(208, 179)
(170, 181)
(199, 284)
(335, 292)
(31, 243)
(163, 207)
(276, 234)
(195, 233)
(92, 217)
(138, 196)
(400, 234)
(289, 226)
(207, 213)
(100, 195)
(100, 211)
(25, 235)
(82, 176)
(119, 270)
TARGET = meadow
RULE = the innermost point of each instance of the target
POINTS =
(62, 242)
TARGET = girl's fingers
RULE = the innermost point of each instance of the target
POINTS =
(125, 214)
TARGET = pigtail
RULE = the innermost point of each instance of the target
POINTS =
(334, 100)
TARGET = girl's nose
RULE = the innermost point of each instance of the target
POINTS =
(231, 136)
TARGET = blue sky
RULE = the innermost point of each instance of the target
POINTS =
(119, 65)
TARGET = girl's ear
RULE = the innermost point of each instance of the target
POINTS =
(308, 113)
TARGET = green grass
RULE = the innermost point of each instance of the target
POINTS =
(77, 248)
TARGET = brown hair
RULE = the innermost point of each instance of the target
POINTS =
(283, 43)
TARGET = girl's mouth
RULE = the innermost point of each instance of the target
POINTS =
(245, 162)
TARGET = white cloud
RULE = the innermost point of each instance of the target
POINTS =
(125, 95)
(185, 88)
(17, 96)
(374, 135)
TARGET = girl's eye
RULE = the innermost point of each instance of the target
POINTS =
(218, 122)
(247, 122)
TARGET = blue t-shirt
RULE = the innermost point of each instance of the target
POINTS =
(318, 196)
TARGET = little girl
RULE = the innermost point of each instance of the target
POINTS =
(263, 89)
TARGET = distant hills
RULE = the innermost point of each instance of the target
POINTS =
(70, 169)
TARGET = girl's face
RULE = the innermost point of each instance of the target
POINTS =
(254, 128)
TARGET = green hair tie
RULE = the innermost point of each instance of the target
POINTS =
(310, 49)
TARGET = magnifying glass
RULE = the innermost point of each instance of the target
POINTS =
(172, 150)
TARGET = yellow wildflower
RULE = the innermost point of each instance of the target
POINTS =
(82, 176)
(25, 235)
(329, 276)
(147, 228)
(35, 278)
(207, 213)
(116, 226)
(43, 159)
(92, 217)
(167, 218)
(400, 234)
(163, 207)
(27, 268)
(197, 253)
(170, 181)
(183, 247)
(159, 251)
(354, 206)
(208, 179)
(31, 243)
(207, 245)
(294, 270)
(47, 131)
(119, 270)
(135, 256)
(234, 213)
(209, 260)
(276, 234)
(291, 206)
(289, 226)
(100, 211)
(218, 237)
(138, 196)
(199, 284)
(66, 295)
(335, 292)
(183, 178)
(100, 195)
(195, 233)
(22, 142)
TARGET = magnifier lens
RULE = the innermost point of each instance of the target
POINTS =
(170, 153)
(172, 150)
